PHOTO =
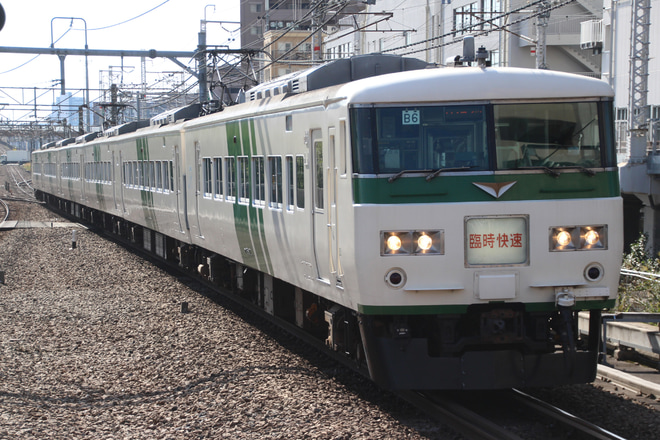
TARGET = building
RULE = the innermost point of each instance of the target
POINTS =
(284, 29)
(511, 30)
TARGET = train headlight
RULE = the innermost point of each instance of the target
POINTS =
(393, 243)
(412, 242)
(578, 238)
(563, 238)
(424, 242)
(594, 237)
(396, 243)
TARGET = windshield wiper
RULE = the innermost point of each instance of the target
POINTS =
(402, 172)
(586, 171)
(437, 172)
(553, 173)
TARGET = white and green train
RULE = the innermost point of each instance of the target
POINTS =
(441, 226)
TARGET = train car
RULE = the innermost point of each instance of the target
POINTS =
(442, 227)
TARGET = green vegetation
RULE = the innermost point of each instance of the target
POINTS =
(640, 293)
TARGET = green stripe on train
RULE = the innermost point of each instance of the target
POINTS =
(454, 189)
(248, 219)
(462, 308)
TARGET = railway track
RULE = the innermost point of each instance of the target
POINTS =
(475, 415)
(4, 208)
(21, 183)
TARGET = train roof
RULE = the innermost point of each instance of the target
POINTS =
(336, 72)
(474, 84)
(377, 78)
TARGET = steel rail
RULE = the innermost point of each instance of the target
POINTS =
(565, 417)
(6, 208)
(458, 417)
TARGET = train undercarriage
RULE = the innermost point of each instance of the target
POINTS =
(487, 346)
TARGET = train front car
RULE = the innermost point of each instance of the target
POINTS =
(487, 215)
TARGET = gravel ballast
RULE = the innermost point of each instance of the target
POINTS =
(93, 344)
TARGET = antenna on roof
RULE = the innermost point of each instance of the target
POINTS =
(469, 55)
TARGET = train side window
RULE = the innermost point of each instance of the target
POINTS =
(300, 182)
(318, 184)
(288, 123)
(151, 180)
(243, 180)
(164, 175)
(144, 174)
(159, 178)
(171, 174)
(140, 174)
(230, 163)
(258, 182)
(275, 168)
(290, 184)
(342, 148)
(217, 177)
(207, 177)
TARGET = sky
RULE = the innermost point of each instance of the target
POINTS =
(165, 25)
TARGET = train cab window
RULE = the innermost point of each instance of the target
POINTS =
(275, 169)
(549, 135)
(300, 182)
(217, 178)
(390, 140)
(259, 181)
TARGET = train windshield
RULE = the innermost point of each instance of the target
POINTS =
(457, 138)
(555, 135)
(396, 139)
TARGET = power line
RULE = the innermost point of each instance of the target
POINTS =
(130, 19)
(480, 25)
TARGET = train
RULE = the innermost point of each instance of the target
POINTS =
(439, 227)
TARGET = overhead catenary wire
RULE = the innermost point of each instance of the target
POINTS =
(480, 24)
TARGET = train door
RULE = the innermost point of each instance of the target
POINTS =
(179, 189)
(122, 171)
(113, 179)
(198, 189)
(320, 213)
(82, 177)
(331, 174)
(58, 173)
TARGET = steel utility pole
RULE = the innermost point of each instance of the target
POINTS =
(638, 115)
(541, 27)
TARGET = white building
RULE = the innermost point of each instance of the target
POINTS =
(433, 31)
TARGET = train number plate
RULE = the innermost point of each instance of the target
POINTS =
(496, 241)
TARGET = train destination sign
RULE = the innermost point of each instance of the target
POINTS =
(496, 240)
